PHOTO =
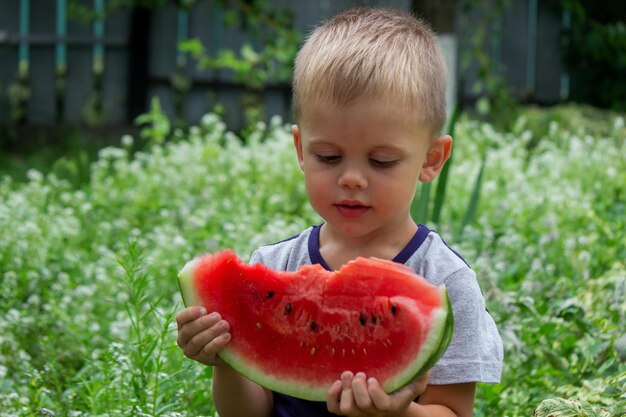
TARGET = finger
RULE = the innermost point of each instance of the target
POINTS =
(362, 397)
(208, 354)
(189, 314)
(333, 397)
(421, 383)
(191, 328)
(413, 389)
(346, 402)
(205, 337)
(380, 399)
(407, 393)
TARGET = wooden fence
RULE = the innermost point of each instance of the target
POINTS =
(57, 70)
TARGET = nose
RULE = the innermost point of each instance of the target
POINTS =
(353, 177)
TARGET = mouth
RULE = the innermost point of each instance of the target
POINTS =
(351, 209)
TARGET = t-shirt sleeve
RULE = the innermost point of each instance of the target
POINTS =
(256, 257)
(475, 353)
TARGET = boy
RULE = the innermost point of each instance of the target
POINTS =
(369, 102)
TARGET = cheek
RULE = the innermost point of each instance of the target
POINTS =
(396, 193)
(317, 188)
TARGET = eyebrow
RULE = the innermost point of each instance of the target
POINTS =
(321, 141)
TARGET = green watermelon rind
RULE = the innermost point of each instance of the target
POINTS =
(444, 341)
(433, 348)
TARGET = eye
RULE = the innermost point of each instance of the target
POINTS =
(377, 163)
(328, 159)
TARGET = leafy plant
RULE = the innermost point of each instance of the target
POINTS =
(254, 67)
(88, 268)
(155, 124)
(494, 101)
(18, 94)
(595, 51)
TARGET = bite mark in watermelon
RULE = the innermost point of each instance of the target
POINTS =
(296, 332)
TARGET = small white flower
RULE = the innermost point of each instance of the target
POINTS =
(127, 141)
(208, 120)
(194, 131)
(611, 172)
(179, 241)
(34, 175)
(33, 300)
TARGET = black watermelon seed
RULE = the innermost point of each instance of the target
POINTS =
(288, 308)
(374, 320)
(394, 309)
(314, 326)
(362, 319)
(270, 294)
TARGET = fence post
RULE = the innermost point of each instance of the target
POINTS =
(496, 46)
(138, 61)
(93, 112)
(181, 82)
(24, 50)
(566, 22)
(531, 61)
(61, 60)
(20, 91)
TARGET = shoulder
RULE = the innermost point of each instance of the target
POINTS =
(441, 265)
(438, 262)
(288, 254)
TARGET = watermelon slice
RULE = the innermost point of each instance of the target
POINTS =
(296, 332)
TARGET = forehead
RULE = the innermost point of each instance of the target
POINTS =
(322, 108)
(366, 124)
(364, 117)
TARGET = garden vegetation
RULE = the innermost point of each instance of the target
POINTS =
(88, 263)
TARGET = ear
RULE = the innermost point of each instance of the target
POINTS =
(436, 157)
(297, 141)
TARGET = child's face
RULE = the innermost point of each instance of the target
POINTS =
(362, 163)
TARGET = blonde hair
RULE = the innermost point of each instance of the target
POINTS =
(373, 53)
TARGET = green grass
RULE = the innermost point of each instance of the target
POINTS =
(89, 256)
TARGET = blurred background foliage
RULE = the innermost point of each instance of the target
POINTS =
(595, 52)
(538, 202)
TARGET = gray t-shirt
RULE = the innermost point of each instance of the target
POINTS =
(475, 352)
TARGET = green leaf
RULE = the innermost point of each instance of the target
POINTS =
(192, 46)
(419, 208)
(249, 54)
(472, 207)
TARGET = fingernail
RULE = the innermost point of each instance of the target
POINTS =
(371, 380)
(360, 375)
(202, 311)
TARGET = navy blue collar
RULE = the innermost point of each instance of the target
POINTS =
(416, 241)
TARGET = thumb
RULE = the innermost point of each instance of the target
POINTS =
(414, 388)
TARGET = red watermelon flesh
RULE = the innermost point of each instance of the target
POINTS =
(296, 332)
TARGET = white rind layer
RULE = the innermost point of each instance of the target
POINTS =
(185, 283)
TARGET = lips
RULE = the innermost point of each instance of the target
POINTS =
(351, 209)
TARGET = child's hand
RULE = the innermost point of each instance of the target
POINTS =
(356, 395)
(202, 335)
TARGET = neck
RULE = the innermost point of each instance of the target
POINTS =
(337, 248)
